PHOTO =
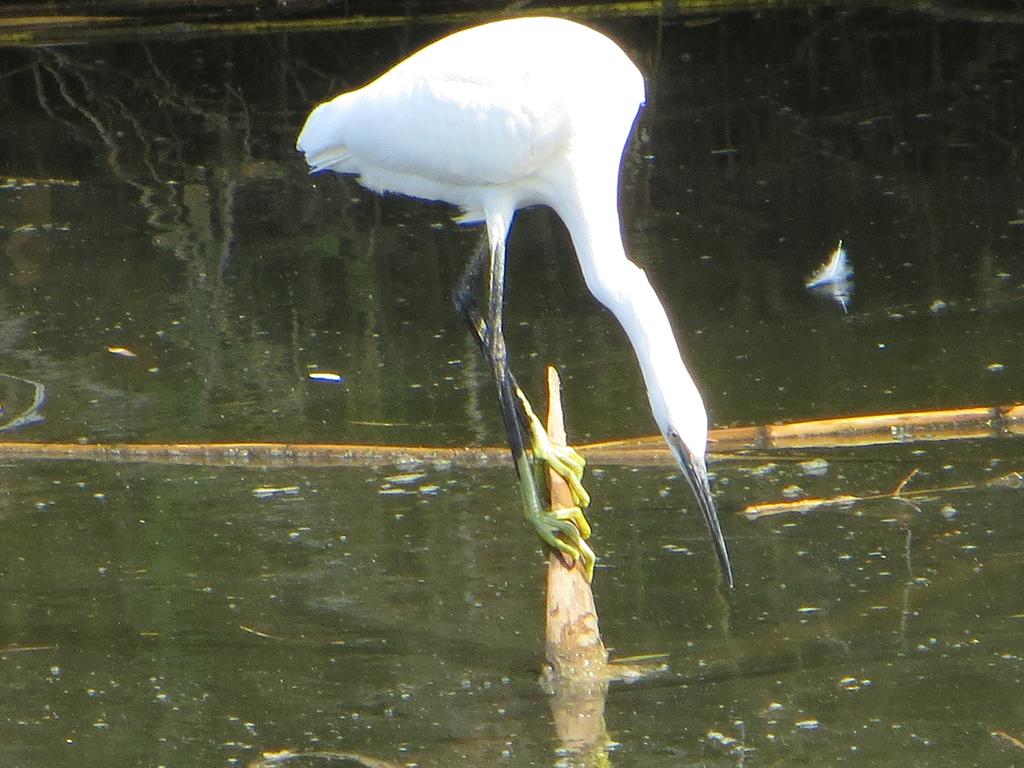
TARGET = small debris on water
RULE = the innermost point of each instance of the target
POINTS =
(328, 376)
(1013, 480)
(407, 478)
(995, 367)
(791, 492)
(278, 757)
(938, 306)
(265, 492)
(676, 549)
(720, 738)
(814, 467)
(389, 490)
(761, 471)
(850, 683)
(121, 352)
(807, 725)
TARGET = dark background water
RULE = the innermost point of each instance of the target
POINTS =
(152, 199)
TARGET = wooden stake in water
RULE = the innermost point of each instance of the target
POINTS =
(577, 675)
(573, 638)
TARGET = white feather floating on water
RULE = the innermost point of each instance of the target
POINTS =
(836, 270)
(834, 278)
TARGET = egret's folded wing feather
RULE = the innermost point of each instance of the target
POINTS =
(450, 131)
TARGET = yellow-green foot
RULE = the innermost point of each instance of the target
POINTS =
(564, 460)
(563, 529)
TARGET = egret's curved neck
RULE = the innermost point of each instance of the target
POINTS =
(591, 216)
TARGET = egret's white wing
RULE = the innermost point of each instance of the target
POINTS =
(451, 131)
(474, 116)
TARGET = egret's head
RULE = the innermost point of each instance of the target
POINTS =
(688, 448)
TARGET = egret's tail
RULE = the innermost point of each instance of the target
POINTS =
(321, 139)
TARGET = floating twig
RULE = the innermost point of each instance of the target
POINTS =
(295, 640)
(26, 648)
(1005, 738)
(269, 759)
(999, 421)
(899, 493)
(770, 508)
(903, 483)
(32, 414)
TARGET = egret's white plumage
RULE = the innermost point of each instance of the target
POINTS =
(486, 118)
(531, 111)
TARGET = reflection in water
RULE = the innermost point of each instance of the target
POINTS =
(153, 201)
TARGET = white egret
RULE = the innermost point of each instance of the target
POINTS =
(511, 114)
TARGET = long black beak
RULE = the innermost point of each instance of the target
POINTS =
(696, 474)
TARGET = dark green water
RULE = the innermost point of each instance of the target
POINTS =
(159, 615)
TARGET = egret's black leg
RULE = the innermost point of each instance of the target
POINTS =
(497, 353)
(513, 402)
(491, 339)
(564, 460)
(562, 529)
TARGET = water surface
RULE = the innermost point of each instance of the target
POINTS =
(161, 615)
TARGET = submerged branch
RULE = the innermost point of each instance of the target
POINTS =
(1011, 480)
